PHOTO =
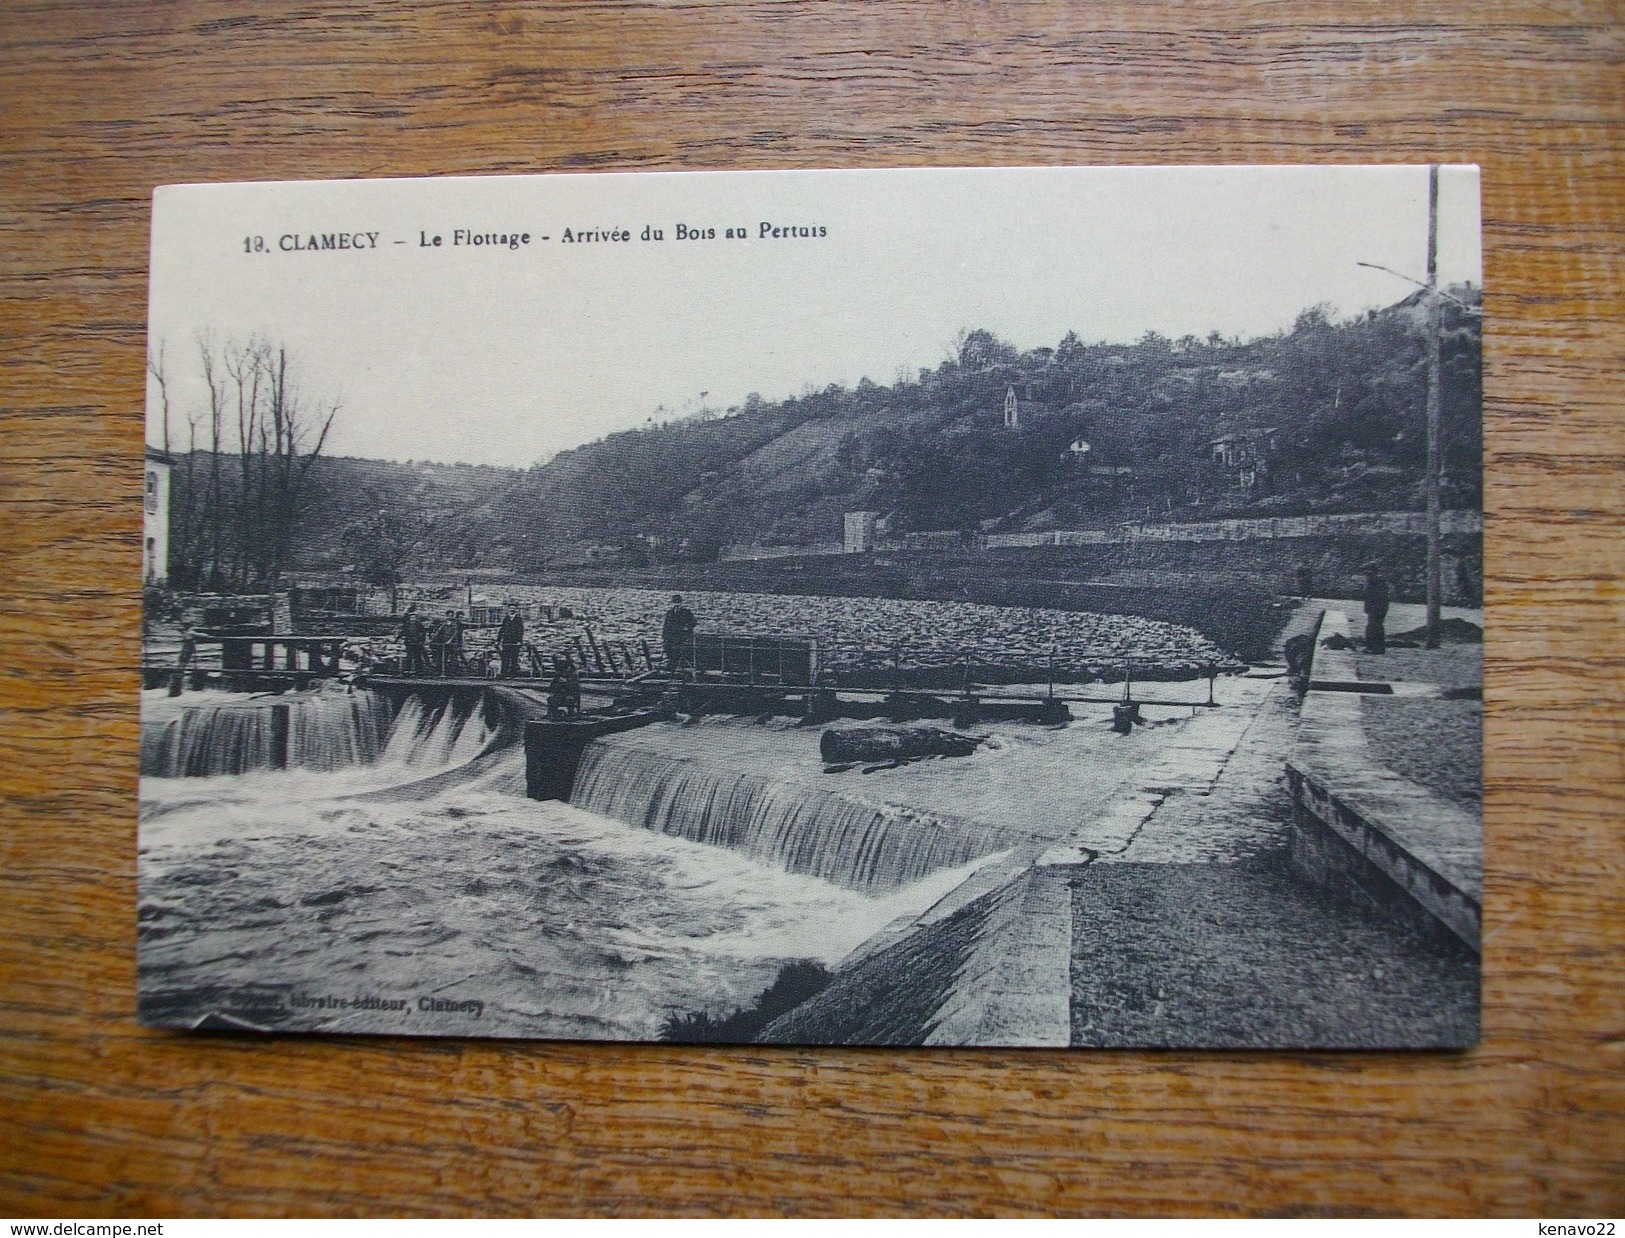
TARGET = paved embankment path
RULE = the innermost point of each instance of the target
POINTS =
(1426, 844)
(1249, 955)
(1173, 916)
(1202, 934)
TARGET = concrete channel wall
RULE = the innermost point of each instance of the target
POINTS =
(553, 749)
(1346, 846)
(1364, 831)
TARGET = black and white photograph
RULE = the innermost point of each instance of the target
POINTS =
(964, 607)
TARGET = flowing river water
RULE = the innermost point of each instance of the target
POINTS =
(396, 879)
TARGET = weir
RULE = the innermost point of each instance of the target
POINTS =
(837, 837)
(206, 734)
(198, 737)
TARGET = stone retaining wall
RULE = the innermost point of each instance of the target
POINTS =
(1350, 853)
(1361, 829)
(1352, 524)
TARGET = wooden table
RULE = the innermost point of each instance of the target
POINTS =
(102, 102)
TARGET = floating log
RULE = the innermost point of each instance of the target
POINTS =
(893, 743)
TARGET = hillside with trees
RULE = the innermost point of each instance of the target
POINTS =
(1327, 416)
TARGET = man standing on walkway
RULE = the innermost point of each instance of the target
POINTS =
(509, 638)
(677, 634)
(454, 643)
(439, 635)
(413, 637)
(188, 655)
(1376, 609)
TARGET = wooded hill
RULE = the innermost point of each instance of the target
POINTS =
(1344, 399)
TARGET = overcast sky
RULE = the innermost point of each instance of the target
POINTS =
(503, 356)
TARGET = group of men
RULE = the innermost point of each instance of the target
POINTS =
(436, 648)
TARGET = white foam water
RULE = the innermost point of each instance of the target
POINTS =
(208, 733)
(834, 836)
(205, 734)
(395, 878)
(430, 736)
(559, 922)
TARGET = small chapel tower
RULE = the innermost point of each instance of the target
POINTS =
(1012, 417)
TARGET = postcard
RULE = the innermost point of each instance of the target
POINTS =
(973, 607)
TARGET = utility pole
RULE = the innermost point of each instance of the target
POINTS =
(1434, 453)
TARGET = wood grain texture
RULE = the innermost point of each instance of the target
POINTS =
(103, 101)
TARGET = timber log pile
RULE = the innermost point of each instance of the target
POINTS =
(862, 636)
(839, 745)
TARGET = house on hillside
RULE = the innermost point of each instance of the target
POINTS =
(1019, 408)
(1414, 310)
(1244, 454)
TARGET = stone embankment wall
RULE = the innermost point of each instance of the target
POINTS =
(1364, 831)
(1354, 524)
(1265, 554)
(1271, 554)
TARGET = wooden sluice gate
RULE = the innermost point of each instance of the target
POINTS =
(257, 663)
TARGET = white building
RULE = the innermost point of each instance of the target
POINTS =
(860, 533)
(155, 519)
(1012, 410)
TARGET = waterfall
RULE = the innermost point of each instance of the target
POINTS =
(204, 734)
(335, 730)
(451, 732)
(216, 737)
(219, 733)
(801, 828)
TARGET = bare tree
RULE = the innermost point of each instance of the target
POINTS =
(298, 434)
(155, 367)
(236, 526)
(184, 550)
(214, 504)
(246, 364)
